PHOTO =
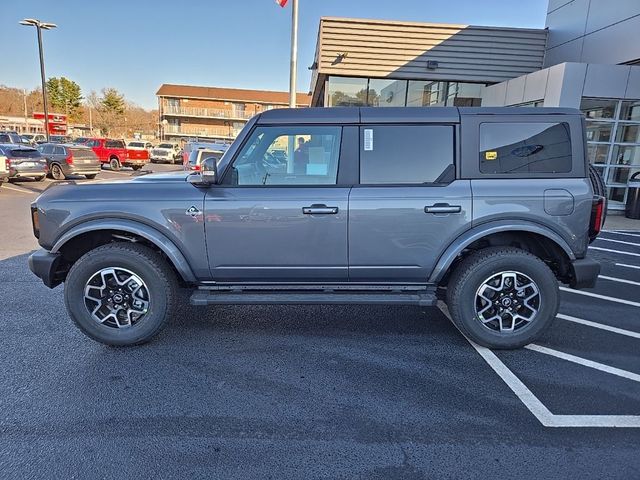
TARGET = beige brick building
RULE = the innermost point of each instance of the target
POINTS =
(189, 112)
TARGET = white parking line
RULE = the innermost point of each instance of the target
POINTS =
(637, 267)
(584, 362)
(602, 297)
(618, 241)
(536, 407)
(614, 251)
(16, 189)
(619, 280)
(622, 233)
(601, 326)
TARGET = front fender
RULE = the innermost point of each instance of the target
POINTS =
(149, 233)
(485, 229)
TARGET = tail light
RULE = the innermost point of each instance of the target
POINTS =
(196, 168)
(69, 158)
(597, 217)
(35, 220)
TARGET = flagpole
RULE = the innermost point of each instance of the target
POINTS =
(294, 54)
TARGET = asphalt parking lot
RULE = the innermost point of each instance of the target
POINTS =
(317, 391)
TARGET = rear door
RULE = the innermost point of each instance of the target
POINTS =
(408, 206)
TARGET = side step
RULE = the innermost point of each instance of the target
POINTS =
(424, 298)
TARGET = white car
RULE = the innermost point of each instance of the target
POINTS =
(140, 146)
(166, 152)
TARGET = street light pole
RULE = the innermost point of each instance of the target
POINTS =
(39, 27)
(294, 54)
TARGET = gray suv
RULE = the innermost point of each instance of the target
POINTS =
(484, 208)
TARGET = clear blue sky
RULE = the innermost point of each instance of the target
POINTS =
(136, 45)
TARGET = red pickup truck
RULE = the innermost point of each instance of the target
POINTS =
(115, 153)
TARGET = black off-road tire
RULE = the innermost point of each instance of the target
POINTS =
(144, 262)
(481, 265)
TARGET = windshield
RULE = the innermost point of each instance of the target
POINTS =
(136, 144)
(165, 145)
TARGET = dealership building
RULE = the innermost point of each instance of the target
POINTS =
(587, 57)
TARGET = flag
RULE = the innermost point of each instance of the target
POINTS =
(282, 3)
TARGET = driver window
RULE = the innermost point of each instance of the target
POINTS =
(289, 156)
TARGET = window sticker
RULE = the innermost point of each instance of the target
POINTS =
(490, 155)
(368, 139)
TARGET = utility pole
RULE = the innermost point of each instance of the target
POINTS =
(294, 54)
(39, 27)
(24, 98)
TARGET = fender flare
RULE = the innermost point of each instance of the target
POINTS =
(149, 233)
(485, 229)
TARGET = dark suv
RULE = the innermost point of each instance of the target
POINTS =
(67, 160)
(486, 209)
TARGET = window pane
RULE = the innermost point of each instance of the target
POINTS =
(464, 94)
(525, 147)
(426, 93)
(597, 153)
(598, 108)
(387, 93)
(630, 111)
(621, 175)
(289, 156)
(626, 155)
(628, 133)
(405, 154)
(598, 132)
(617, 194)
(345, 92)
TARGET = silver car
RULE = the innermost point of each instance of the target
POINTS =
(24, 162)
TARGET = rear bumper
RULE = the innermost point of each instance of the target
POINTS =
(27, 172)
(584, 273)
(45, 266)
(82, 169)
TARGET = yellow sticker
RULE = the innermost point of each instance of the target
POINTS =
(490, 155)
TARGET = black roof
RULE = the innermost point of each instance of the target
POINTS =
(397, 114)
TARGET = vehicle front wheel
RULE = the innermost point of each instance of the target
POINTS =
(121, 294)
(502, 297)
(114, 163)
(56, 172)
(41, 178)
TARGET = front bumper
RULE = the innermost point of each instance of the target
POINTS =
(584, 273)
(46, 266)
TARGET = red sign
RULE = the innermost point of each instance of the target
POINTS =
(57, 122)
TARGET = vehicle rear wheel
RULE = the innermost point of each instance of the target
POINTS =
(136, 167)
(502, 297)
(91, 176)
(56, 172)
(121, 294)
(114, 163)
(41, 178)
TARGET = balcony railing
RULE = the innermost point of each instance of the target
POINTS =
(198, 131)
(208, 112)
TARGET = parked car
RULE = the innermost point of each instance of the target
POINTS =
(70, 159)
(13, 137)
(488, 209)
(35, 138)
(59, 139)
(4, 169)
(24, 162)
(198, 156)
(166, 152)
(139, 145)
(81, 140)
(196, 145)
(115, 154)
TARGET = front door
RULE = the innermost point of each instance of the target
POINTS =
(408, 207)
(279, 214)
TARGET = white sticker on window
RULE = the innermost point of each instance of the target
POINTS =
(368, 139)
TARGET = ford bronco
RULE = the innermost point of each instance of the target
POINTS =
(488, 209)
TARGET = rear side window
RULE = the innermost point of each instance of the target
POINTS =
(525, 148)
(409, 154)
(114, 144)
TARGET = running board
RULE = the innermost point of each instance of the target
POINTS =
(209, 297)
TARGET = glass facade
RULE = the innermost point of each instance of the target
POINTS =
(382, 92)
(613, 142)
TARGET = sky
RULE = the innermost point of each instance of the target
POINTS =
(137, 45)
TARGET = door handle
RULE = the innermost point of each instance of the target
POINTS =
(442, 208)
(319, 209)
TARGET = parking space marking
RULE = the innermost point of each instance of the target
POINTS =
(10, 187)
(584, 362)
(622, 233)
(614, 251)
(535, 406)
(618, 241)
(601, 326)
(637, 267)
(620, 280)
(602, 297)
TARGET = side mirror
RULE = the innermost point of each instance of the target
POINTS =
(208, 174)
